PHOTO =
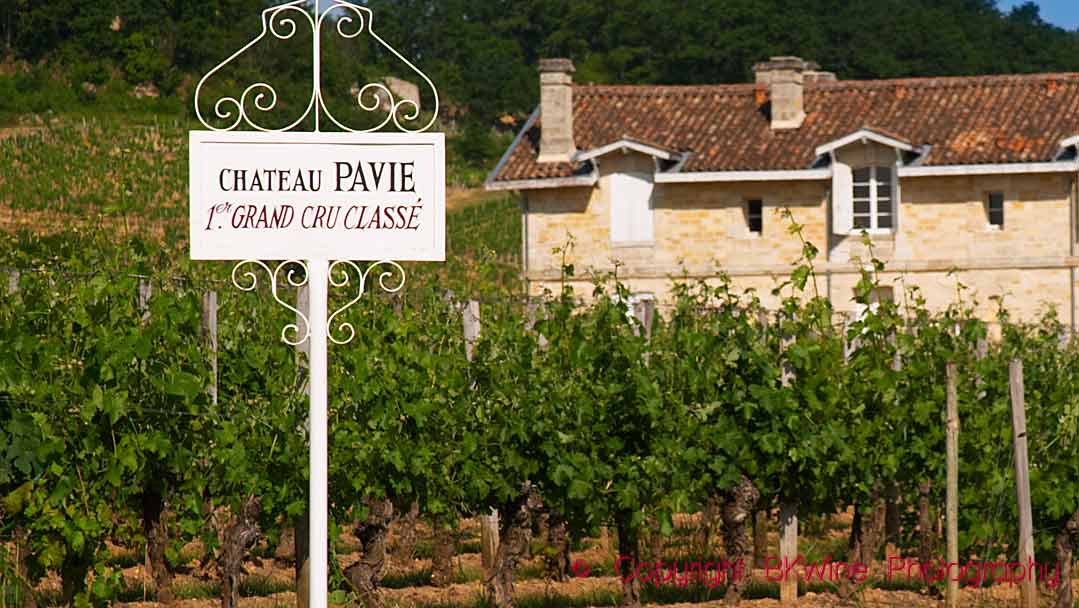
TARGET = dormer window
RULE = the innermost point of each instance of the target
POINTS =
(631, 209)
(865, 187)
(872, 198)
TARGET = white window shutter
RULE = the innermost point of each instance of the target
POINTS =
(622, 217)
(897, 201)
(631, 208)
(842, 194)
(645, 220)
(620, 221)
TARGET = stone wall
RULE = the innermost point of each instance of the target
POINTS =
(942, 236)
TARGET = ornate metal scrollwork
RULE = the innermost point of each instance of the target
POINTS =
(248, 281)
(351, 21)
(388, 281)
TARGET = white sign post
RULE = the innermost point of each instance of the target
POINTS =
(306, 198)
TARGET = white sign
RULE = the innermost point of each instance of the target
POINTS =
(335, 196)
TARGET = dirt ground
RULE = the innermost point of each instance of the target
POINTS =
(467, 593)
(468, 566)
(273, 569)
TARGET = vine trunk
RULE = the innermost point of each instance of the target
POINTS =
(240, 535)
(366, 574)
(738, 505)
(514, 535)
(629, 551)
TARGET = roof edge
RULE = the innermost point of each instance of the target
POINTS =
(743, 176)
(575, 181)
(493, 175)
(795, 175)
(989, 169)
(749, 87)
(628, 143)
(865, 134)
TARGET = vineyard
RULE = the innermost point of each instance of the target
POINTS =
(151, 419)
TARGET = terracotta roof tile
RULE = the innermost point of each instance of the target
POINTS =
(966, 120)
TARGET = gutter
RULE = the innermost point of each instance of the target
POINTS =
(576, 181)
(989, 169)
(742, 176)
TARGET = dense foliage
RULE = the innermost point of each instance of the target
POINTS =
(483, 55)
(107, 424)
(614, 418)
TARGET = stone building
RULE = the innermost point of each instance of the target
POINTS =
(967, 180)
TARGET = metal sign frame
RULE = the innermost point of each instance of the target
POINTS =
(319, 209)
(280, 22)
(319, 274)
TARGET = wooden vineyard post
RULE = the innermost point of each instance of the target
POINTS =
(146, 290)
(788, 519)
(891, 520)
(471, 318)
(13, 282)
(488, 523)
(209, 335)
(761, 516)
(531, 312)
(22, 590)
(760, 538)
(154, 507)
(951, 596)
(788, 369)
(981, 349)
(891, 489)
(1028, 590)
(644, 311)
(489, 540)
(788, 552)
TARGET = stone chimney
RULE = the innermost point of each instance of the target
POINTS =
(818, 76)
(556, 110)
(785, 77)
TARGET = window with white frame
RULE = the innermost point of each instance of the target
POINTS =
(639, 305)
(631, 209)
(642, 306)
(873, 196)
(640, 300)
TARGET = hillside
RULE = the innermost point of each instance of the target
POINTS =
(69, 56)
(108, 181)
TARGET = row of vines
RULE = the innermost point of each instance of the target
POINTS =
(113, 422)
